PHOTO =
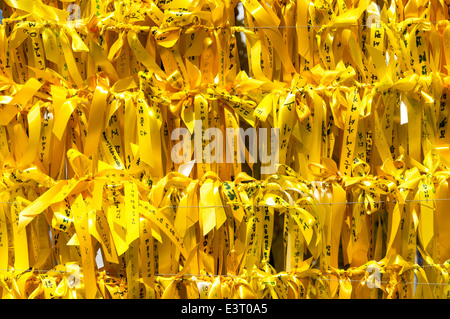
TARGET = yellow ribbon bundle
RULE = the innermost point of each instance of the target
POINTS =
(92, 91)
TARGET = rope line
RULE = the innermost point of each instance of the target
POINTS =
(268, 205)
(195, 277)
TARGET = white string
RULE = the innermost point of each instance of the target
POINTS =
(195, 276)
(411, 21)
(332, 203)
(326, 25)
(278, 205)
